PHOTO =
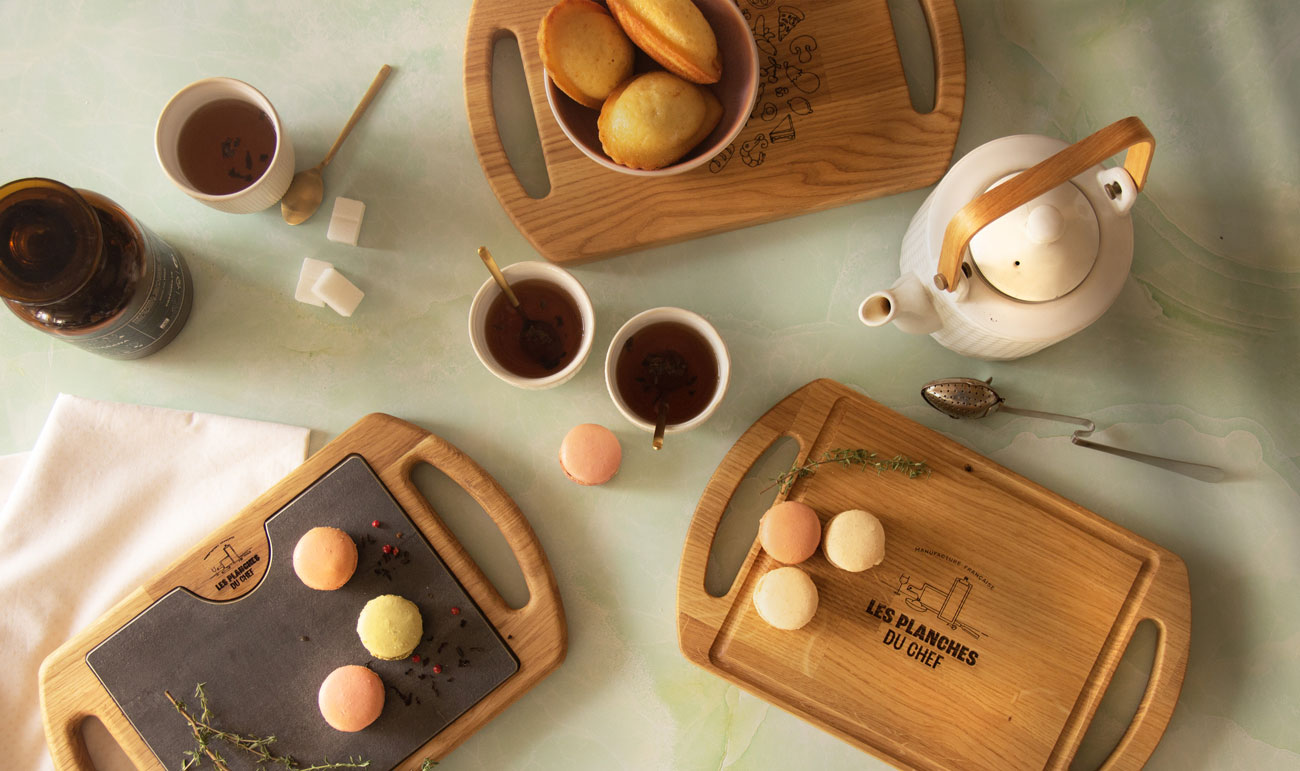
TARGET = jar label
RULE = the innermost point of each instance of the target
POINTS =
(158, 314)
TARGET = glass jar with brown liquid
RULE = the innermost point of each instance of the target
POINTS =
(75, 265)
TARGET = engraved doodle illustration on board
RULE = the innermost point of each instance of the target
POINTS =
(229, 557)
(947, 605)
(786, 81)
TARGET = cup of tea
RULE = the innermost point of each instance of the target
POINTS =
(221, 142)
(667, 355)
(548, 342)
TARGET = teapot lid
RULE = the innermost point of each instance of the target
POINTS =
(1042, 250)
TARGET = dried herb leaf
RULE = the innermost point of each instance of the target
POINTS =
(914, 469)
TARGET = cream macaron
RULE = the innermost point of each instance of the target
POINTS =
(390, 627)
(854, 540)
(325, 558)
(786, 598)
(351, 698)
(590, 454)
(790, 532)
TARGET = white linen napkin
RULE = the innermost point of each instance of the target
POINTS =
(111, 494)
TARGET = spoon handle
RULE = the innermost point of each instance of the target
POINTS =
(356, 114)
(1195, 470)
(662, 423)
(1088, 425)
(500, 277)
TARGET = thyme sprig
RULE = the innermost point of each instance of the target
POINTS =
(865, 459)
(257, 746)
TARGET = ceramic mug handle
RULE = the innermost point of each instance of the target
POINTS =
(1125, 134)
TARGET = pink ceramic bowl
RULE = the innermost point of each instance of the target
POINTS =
(737, 91)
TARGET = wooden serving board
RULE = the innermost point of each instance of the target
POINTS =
(986, 637)
(833, 124)
(231, 613)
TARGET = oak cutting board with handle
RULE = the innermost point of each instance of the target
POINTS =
(231, 614)
(986, 637)
(833, 124)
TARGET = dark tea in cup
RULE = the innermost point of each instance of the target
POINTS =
(225, 146)
(669, 362)
(552, 313)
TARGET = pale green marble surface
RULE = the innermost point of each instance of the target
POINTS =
(1198, 357)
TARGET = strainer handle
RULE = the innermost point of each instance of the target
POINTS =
(1125, 134)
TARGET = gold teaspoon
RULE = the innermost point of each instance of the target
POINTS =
(658, 442)
(307, 189)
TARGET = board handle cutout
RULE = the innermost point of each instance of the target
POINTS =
(544, 610)
(69, 694)
(1119, 702)
(517, 128)
(481, 40)
(700, 615)
(1168, 606)
(915, 52)
(474, 530)
(63, 737)
(949, 49)
(1166, 603)
(739, 523)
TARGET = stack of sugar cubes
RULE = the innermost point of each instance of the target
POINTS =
(319, 283)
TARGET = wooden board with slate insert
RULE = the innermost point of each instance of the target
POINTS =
(833, 124)
(986, 637)
(232, 614)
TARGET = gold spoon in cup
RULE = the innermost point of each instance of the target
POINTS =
(668, 372)
(538, 339)
(307, 189)
(662, 413)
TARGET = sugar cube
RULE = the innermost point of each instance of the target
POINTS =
(345, 222)
(337, 292)
(311, 270)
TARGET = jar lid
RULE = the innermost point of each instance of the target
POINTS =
(1042, 250)
(50, 241)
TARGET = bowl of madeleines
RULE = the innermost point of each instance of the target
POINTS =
(649, 87)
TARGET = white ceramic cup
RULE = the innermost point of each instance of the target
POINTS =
(653, 316)
(268, 189)
(523, 271)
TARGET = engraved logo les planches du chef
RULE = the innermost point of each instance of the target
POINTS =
(925, 644)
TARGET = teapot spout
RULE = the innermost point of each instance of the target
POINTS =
(906, 303)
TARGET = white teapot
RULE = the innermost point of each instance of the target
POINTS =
(1031, 239)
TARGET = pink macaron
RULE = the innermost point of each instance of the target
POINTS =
(351, 698)
(325, 558)
(590, 454)
(790, 532)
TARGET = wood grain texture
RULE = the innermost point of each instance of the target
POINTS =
(536, 633)
(833, 124)
(1124, 134)
(1028, 601)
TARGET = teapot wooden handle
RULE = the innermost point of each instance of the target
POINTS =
(1126, 134)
